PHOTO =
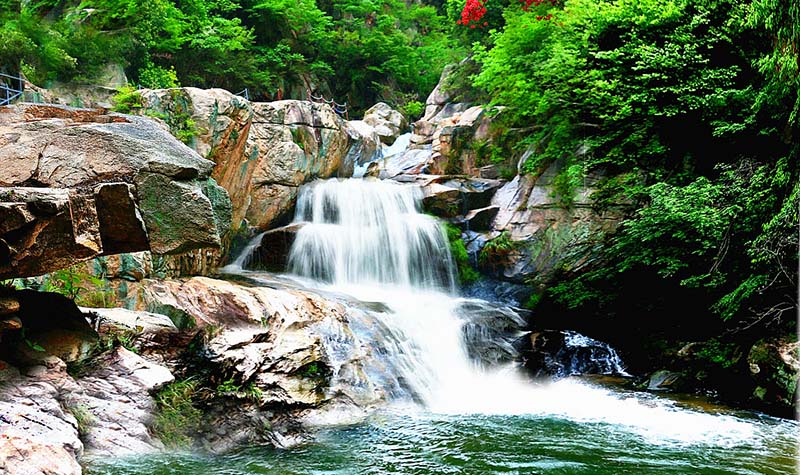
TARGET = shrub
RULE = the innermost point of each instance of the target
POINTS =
(127, 100)
(177, 418)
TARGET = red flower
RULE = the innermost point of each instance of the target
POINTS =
(472, 13)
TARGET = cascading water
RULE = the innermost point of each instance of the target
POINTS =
(406, 335)
(365, 232)
(368, 239)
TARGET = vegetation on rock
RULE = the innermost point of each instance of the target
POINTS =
(177, 419)
(692, 108)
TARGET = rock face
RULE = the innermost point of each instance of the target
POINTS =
(287, 343)
(775, 368)
(81, 183)
(451, 128)
(115, 394)
(548, 234)
(262, 151)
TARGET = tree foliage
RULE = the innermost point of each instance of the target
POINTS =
(690, 107)
(357, 51)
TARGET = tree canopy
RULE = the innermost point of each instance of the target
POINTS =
(355, 51)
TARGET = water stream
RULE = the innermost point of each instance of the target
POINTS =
(464, 408)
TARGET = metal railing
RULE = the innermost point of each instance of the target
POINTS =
(9, 93)
(340, 109)
(244, 93)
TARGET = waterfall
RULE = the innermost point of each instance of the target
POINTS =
(369, 239)
(407, 336)
(369, 232)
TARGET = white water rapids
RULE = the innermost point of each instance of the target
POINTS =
(369, 239)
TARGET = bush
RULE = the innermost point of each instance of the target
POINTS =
(412, 110)
(177, 419)
(497, 251)
(466, 273)
(156, 77)
(127, 100)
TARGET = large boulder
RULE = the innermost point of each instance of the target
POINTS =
(262, 151)
(221, 126)
(561, 353)
(297, 142)
(278, 341)
(81, 183)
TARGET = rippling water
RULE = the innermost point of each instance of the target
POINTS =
(414, 442)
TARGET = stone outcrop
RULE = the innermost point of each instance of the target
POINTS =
(262, 153)
(444, 140)
(297, 141)
(274, 338)
(451, 197)
(387, 122)
(81, 183)
(49, 417)
(38, 436)
(550, 235)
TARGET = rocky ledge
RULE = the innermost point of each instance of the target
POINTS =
(81, 183)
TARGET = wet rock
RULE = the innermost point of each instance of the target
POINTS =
(279, 341)
(411, 161)
(664, 380)
(557, 354)
(491, 332)
(449, 198)
(272, 252)
(366, 146)
(443, 201)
